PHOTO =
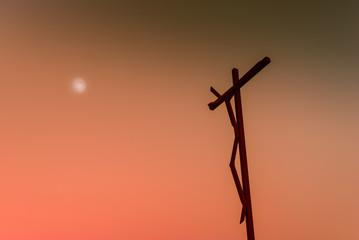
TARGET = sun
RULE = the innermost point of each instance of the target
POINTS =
(79, 85)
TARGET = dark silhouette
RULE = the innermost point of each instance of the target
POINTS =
(244, 194)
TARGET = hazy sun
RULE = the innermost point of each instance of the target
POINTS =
(79, 85)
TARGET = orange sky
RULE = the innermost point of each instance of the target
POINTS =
(140, 156)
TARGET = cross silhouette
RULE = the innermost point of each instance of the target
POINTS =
(239, 139)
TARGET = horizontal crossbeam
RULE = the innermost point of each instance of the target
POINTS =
(248, 76)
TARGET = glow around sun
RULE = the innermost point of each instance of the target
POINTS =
(79, 85)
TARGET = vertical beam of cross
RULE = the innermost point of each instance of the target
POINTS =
(237, 123)
(243, 156)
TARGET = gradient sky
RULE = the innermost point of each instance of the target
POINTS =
(140, 156)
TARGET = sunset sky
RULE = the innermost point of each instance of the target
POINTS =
(139, 156)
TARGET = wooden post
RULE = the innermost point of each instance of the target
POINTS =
(244, 192)
(243, 158)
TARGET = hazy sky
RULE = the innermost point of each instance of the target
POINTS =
(140, 156)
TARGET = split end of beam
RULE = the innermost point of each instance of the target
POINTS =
(243, 214)
(215, 92)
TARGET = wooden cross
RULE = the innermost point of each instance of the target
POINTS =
(237, 123)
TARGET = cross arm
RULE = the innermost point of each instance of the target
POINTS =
(250, 74)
